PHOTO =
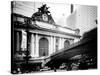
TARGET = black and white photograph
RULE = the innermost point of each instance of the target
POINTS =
(53, 37)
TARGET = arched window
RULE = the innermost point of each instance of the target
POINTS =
(66, 44)
(57, 43)
(43, 47)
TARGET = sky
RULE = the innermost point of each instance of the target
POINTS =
(83, 16)
(59, 11)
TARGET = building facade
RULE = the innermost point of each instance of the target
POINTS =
(45, 37)
(39, 36)
(42, 39)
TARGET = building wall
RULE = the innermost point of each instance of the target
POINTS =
(71, 20)
(86, 16)
(36, 34)
(34, 43)
(83, 18)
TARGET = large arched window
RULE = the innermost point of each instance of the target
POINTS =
(66, 44)
(43, 47)
(57, 43)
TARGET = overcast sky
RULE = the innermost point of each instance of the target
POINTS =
(58, 11)
(83, 17)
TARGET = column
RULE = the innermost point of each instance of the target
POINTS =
(36, 46)
(51, 45)
(60, 43)
(32, 45)
(54, 42)
(24, 41)
(17, 42)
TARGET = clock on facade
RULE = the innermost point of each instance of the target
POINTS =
(45, 17)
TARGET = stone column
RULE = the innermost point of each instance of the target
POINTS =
(51, 45)
(36, 46)
(23, 41)
(18, 43)
(54, 42)
(60, 44)
(32, 45)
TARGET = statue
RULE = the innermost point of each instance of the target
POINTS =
(43, 14)
(43, 9)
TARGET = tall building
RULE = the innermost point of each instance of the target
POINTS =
(38, 36)
(83, 17)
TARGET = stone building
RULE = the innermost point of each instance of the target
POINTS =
(39, 35)
(45, 37)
